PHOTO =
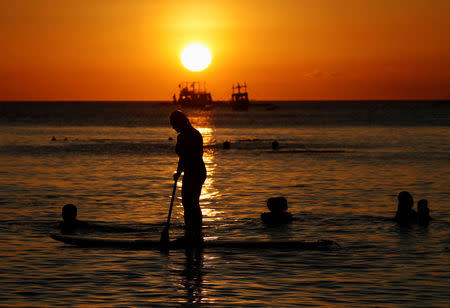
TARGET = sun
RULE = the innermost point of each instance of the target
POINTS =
(196, 57)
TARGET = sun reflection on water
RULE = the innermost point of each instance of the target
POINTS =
(207, 134)
(209, 191)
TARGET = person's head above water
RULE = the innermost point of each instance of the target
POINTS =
(179, 121)
(278, 211)
(423, 212)
(422, 206)
(277, 204)
(69, 213)
(405, 201)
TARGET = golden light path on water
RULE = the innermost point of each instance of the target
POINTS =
(209, 192)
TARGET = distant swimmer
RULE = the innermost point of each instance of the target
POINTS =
(423, 212)
(405, 213)
(278, 211)
(189, 148)
(70, 223)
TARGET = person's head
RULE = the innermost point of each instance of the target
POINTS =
(69, 213)
(405, 201)
(422, 205)
(179, 120)
(277, 204)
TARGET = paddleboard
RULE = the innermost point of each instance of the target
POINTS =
(84, 241)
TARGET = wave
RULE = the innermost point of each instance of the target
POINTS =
(112, 147)
(277, 113)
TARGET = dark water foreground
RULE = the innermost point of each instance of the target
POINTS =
(340, 168)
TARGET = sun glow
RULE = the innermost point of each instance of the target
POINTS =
(196, 57)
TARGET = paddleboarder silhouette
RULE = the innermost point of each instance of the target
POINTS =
(189, 148)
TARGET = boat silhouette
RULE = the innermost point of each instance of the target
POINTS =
(239, 100)
(193, 95)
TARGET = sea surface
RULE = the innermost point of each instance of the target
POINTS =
(340, 165)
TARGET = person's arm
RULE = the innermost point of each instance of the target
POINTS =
(180, 167)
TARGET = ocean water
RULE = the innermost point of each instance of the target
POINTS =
(340, 165)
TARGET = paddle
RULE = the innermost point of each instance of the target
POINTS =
(164, 241)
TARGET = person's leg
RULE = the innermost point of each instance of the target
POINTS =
(190, 195)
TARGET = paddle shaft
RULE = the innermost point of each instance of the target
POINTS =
(164, 241)
(171, 204)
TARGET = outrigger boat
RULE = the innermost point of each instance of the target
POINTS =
(239, 100)
(191, 95)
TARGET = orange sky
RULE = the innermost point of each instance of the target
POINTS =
(285, 49)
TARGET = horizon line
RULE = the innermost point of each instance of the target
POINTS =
(220, 101)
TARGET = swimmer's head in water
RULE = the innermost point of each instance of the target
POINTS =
(405, 200)
(277, 204)
(69, 212)
(422, 205)
(179, 120)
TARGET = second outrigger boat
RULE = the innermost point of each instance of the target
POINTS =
(239, 100)
(192, 95)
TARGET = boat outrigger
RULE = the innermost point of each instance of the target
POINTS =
(192, 95)
(239, 100)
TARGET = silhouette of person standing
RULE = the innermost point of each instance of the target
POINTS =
(189, 148)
